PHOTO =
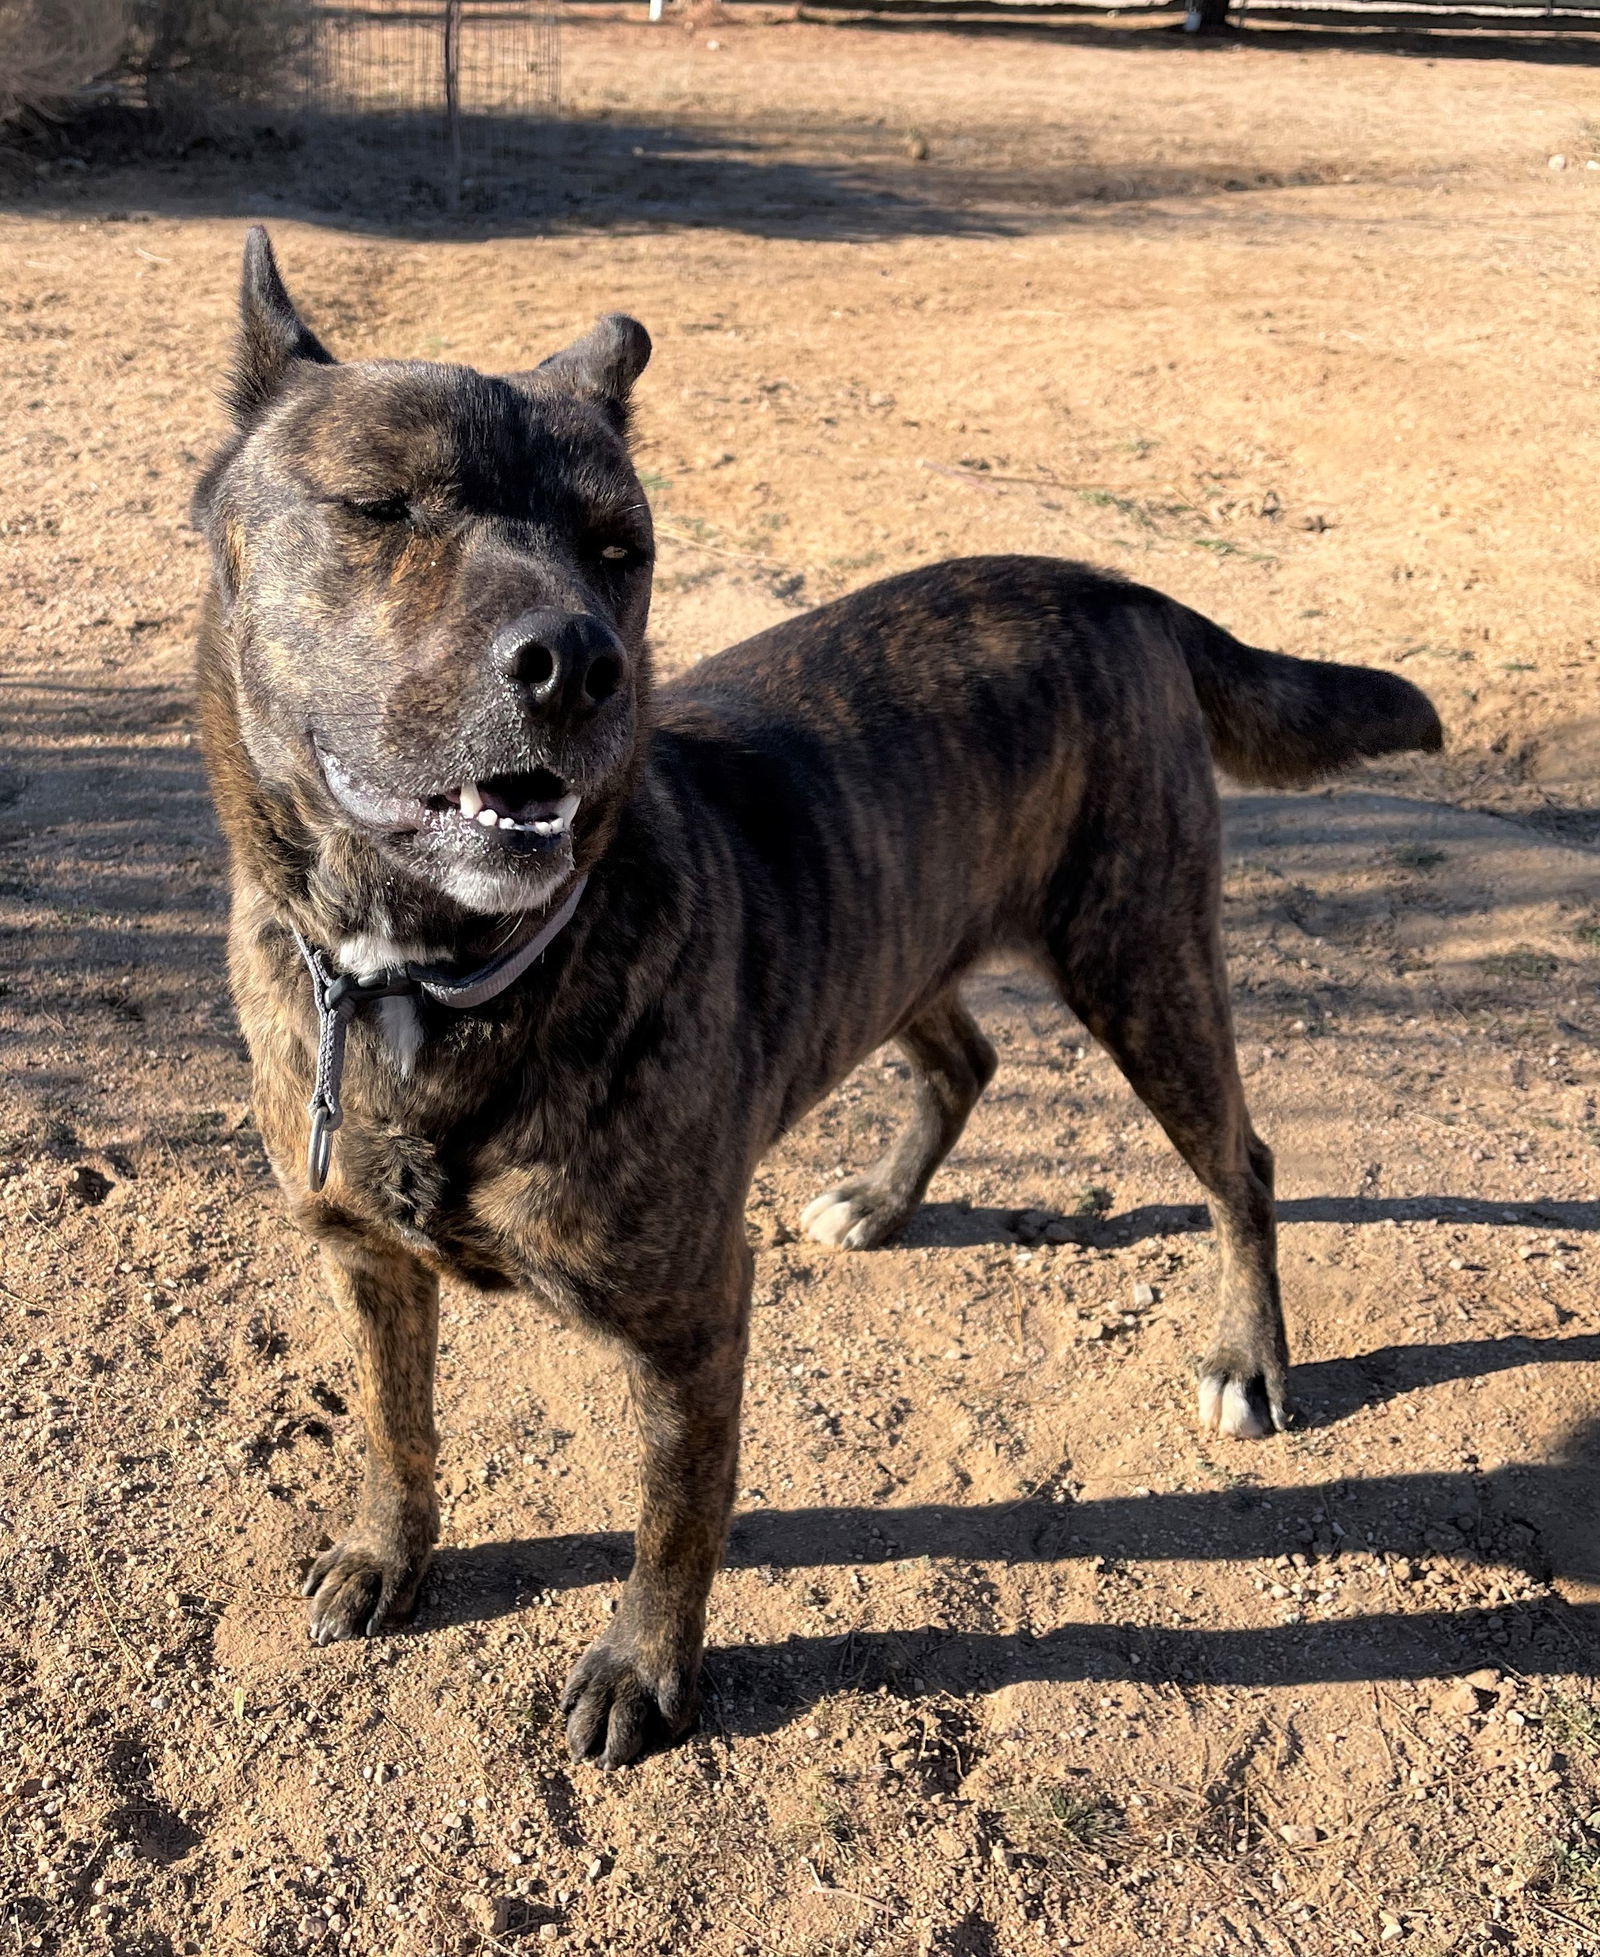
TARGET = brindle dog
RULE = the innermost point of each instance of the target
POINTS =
(428, 709)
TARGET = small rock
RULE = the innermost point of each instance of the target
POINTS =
(1300, 1834)
(1392, 1928)
(1558, 163)
(1030, 1225)
(87, 1187)
(1143, 1294)
(1465, 1699)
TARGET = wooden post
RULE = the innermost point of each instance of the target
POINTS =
(452, 97)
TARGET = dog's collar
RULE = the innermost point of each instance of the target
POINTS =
(338, 997)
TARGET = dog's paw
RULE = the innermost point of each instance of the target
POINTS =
(855, 1216)
(618, 1708)
(356, 1591)
(1239, 1406)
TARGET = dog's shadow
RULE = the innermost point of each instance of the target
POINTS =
(760, 1688)
(1327, 1391)
(1533, 1519)
(957, 1225)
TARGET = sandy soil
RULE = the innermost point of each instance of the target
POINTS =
(1006, 1659)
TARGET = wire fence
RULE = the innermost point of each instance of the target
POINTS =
(457, 102)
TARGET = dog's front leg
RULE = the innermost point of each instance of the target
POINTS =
(638, 1684)
(388, 1306)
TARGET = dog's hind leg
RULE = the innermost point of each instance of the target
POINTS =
(1152, 989)
(952, 1064)
(388, 1307)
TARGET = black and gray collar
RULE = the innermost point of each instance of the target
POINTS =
(338, 997)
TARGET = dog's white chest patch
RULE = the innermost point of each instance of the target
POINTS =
(398, 1019)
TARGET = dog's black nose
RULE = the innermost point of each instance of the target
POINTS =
(562, 661)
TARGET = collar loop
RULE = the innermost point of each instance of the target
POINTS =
(339, 996)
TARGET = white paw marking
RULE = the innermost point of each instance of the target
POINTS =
(1224, 1408)
(1239, 1421)
(829, 1221)
(815, 1207)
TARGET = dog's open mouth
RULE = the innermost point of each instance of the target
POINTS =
(539, 803)
(526, 811)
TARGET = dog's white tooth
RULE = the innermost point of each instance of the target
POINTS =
(471, 800)
(566, 809)
(506, 822)
(488, 818)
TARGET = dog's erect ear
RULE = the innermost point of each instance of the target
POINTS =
(602, 366)
(272, 335)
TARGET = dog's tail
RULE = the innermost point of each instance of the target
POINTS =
(1277, 722)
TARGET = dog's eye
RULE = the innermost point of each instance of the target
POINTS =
(619, 557)
(391, 509)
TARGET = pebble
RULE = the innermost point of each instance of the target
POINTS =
(1143, 1294)
(1558, 163)
(1469, 1697)
(1300, 1834)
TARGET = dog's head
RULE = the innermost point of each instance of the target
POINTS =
(431, 589)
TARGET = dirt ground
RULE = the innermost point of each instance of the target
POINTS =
(1007, 1659)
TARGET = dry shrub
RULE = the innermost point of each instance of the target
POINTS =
(52, 50)
(198, 55)
(185, 60)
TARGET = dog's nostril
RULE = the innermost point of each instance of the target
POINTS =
(603, 677)
(532, 664)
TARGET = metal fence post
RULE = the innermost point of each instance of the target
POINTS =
(452, 95)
